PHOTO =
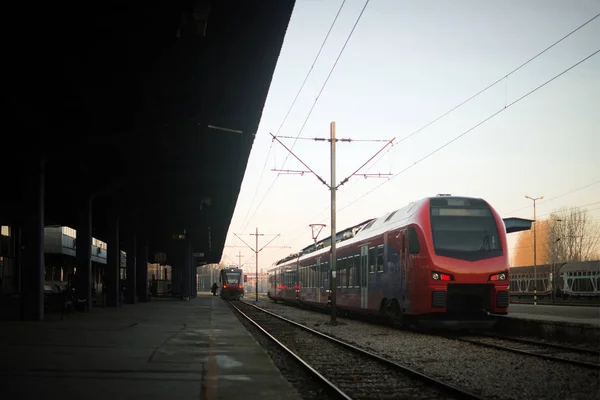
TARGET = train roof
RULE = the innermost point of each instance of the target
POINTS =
(341, 235)
(393, 219)
(360, 231)
(231, 269)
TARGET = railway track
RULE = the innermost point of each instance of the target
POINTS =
(586, 358)
(345, 370)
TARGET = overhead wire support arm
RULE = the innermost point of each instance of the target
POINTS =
(269, 242)
(317, 139)
(379, 175)
(250, 247)
(290, 171)
(389, 142)
(302, 162)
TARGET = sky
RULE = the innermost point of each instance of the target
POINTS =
(405, 64)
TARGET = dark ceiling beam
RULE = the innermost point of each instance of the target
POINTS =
(125, 104)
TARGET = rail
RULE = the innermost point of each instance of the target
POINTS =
(328, 375)
(533, 348)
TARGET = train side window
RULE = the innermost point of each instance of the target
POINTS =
(304, 277)
(413, 241)
(380, 258)
(372, 259)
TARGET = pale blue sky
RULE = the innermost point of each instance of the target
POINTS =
(407, 63)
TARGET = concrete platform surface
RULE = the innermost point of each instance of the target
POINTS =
(568, 314)
(162, 349)
(571, 324)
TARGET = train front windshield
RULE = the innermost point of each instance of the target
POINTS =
(464, 228)
(233, 277)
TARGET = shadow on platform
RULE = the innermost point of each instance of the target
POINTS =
(161, 349)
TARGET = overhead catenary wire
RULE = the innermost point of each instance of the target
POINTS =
(327, 79)
(558, 212)
(480, 92)
(472, 128)
(311, 67)
(257, 185)
(323, 87)
(464, 102)
(290, 110)
(556, 197)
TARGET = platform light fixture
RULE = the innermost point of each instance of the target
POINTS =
(219, 128)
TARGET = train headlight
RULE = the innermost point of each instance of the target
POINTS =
(499, 277)
(438, 276)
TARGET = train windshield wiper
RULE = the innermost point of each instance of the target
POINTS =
(485, 246)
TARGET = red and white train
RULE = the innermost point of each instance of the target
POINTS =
(439, 261)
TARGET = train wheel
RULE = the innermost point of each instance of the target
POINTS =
(395, 313)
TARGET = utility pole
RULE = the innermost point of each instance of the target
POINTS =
(256, 250)
(333, 230)
(333, 188)
(534, 248)
(239, 256)
(256, 262)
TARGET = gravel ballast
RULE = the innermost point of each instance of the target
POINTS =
(355, 373)
(495, 374)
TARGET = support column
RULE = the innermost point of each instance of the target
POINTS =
(131, 269)
(194, 279)
(32, 267)
(113, 262)
(174, 276)
(187, 269)
(142, 270)
(178, 267)
(83, 251)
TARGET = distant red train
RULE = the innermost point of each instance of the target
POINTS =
(439, 261)
(232, 287)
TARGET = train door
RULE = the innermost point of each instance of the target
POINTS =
(364, 276)
(404, 270)
(318, 279)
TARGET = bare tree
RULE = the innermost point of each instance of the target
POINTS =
(572, 236)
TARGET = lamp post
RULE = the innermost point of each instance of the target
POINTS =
(534, 248)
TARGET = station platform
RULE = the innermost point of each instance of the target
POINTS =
(575, 324)
(568, 314)
(166, 348)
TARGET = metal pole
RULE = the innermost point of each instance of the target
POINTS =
(333, 219)
(534, 248)
(534, 255)
(553, 268)
(256, 282)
